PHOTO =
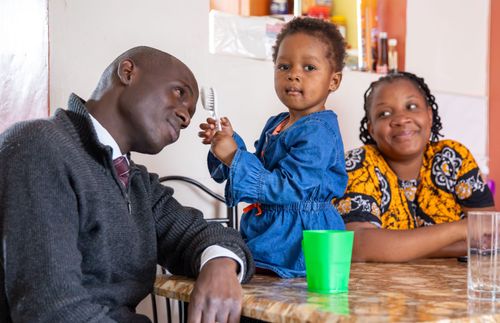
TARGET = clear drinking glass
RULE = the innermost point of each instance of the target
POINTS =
(483, 250)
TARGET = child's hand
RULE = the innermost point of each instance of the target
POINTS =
(208, 131)
(223, 145)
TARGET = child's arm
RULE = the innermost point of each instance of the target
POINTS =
(218, 171)
(222, 144)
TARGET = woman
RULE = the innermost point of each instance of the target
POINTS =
(408, 192)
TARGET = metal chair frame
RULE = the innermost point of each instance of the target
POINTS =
(231, 221)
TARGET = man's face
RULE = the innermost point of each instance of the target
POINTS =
(156, 105)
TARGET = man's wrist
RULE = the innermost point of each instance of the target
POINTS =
(225, 263)
(218, 252)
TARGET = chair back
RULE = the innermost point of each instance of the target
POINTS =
(231, 219)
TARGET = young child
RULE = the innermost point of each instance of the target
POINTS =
(408, 191)
(298, 166)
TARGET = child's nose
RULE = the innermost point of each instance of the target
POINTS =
(293, 75)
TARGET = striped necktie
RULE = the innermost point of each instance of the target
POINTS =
(122, 169)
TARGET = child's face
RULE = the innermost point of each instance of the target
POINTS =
(303, 75)
(399, 120)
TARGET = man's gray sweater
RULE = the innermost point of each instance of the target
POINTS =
(76, 245)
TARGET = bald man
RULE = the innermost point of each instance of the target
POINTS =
(83, 227)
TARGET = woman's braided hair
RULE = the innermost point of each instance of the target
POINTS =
(364, 135)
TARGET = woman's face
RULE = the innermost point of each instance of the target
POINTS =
(399, 120)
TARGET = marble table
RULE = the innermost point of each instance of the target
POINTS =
(424, 290)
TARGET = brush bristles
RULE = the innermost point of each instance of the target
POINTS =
(208, 98)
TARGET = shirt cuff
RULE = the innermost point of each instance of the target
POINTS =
(217, 252)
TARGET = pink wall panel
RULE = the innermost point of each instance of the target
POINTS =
(23, 60)
(494, 112)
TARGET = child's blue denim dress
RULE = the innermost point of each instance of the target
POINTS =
(291, 178)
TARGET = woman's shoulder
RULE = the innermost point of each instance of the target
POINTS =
(368, 151)
(367, 156)
(448, 143)
(448, 147)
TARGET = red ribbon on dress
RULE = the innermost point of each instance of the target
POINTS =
(253, 206)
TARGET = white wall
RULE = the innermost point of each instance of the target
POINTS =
(447, 44)
(447, 40)
(88, 35)
(85, 36)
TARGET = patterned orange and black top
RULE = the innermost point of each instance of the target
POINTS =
(449, 180)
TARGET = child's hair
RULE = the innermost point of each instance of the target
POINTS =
(421, 86)
(323, 31)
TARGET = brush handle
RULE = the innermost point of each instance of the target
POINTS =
(217, 119)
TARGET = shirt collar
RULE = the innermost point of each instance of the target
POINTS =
(105, 138)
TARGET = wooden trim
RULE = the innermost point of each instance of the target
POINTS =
(392, 19)
(494, 98)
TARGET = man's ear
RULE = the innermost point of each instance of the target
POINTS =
(126, 69)
(335, 81)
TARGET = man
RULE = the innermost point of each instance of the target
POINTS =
(81, 239)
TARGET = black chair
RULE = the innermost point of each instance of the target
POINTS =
(231, 221)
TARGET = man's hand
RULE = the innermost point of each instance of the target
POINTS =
(217, 293)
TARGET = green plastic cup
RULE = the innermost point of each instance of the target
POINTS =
(328, 260)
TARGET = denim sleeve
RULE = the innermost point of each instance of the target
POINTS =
(308, 152)
(218, 171)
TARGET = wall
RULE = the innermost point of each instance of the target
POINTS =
(23, 61)
(494, 93)
(87, 35)
(447, 43)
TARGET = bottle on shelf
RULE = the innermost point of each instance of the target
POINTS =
(367, 27)
(383, 57)
(321, 9)
(375, 47)
(393, 55)
(279, 7)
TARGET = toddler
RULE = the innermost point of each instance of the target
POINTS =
(298, 166)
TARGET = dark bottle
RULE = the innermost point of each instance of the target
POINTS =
(383, 57)
(279, 7)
